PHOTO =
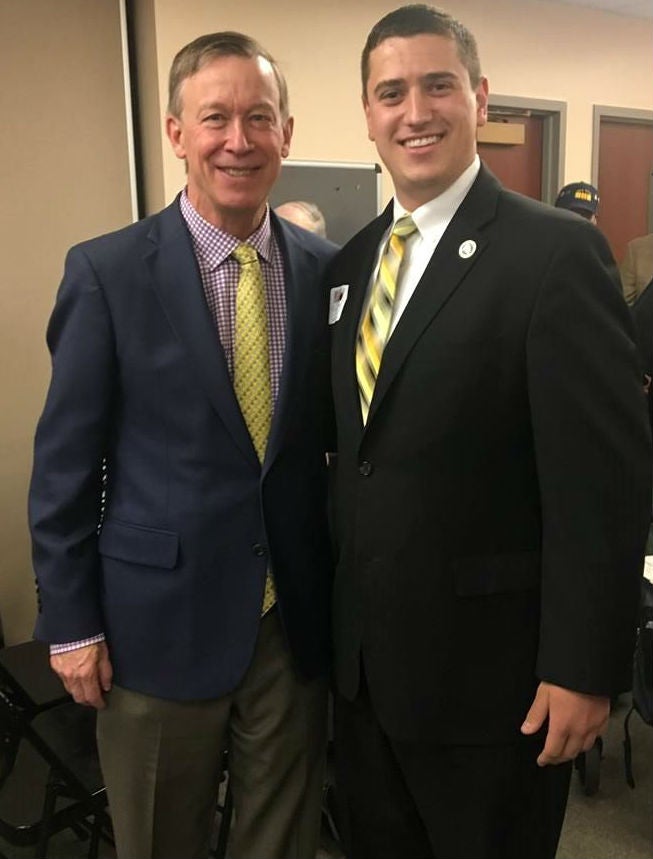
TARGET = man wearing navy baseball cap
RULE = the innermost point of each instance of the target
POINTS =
(579, 197)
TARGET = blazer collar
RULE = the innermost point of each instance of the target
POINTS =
(303, 316)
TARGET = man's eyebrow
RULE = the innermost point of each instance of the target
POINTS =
(430, 77)
(392, 83)
(212, 105)
(434, 77)
(262, 105)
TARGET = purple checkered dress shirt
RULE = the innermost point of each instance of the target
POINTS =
(219, 272)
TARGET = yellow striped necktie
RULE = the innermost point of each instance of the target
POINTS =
(252, 363)
(375, 326)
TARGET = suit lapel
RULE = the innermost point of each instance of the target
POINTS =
(177, 282)
(448, 267)
(303, 311)
(346, 330)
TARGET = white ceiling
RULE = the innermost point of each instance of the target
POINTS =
(631, 8)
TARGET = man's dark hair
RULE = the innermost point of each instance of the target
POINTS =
(415, 20)
(191, 58)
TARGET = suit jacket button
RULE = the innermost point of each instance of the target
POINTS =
(258, 550)
(365, 468)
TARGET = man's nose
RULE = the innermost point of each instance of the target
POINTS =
(237, 139)
(418, 109)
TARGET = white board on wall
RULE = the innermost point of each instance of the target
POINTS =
(348, 194)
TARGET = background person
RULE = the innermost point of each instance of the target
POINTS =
(190, 357)
(305, 215)
(581, 198)
(637, 267)
(492, 485)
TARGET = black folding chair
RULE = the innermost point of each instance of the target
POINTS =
(50, 777)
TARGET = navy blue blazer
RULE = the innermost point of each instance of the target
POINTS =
(141, 411)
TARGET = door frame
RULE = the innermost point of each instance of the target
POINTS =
(130, 118)
(634, 115)
(553, 139)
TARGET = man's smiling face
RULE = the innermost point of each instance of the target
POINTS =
(233, 137)
(422, 112)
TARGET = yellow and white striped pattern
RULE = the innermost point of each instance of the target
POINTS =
(375, 326)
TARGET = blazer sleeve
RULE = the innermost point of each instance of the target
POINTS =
(592, 446)
(71, 441)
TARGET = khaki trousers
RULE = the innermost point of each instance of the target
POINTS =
(162, 763)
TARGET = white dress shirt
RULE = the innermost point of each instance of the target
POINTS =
(431, 220)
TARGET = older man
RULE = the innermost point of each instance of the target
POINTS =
(177, 502)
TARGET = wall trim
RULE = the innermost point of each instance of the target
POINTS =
(129, 113)
(554, 140)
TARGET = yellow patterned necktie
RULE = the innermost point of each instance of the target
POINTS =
(375, 326)
(252, 363)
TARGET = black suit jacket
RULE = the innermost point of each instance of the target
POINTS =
(490, 518)
(191, 519)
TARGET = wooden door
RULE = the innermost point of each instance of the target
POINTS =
(519, 166)
(624, 180)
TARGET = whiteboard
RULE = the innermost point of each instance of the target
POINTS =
(348, 194)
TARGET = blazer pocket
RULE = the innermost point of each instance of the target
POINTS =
(483, 575)
(137, 544)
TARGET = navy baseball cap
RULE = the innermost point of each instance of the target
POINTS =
(578, 195)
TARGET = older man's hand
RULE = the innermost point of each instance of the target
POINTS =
(85, 672)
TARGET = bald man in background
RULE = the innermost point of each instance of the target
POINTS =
(303, 214)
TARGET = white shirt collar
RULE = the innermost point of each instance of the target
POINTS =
(429, 216)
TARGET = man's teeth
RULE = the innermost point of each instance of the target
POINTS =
(242, 171)
(422, 141)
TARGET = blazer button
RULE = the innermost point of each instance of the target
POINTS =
(258, 550)
(365, 469)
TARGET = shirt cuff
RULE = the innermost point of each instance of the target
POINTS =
(66, 647)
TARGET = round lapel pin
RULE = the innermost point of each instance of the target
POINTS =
(467, 249)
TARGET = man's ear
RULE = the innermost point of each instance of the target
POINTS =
(482, 98)
(366, 108)
(175, 133)
(288, 127)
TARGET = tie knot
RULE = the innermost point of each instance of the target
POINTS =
(404, 227)
(245, 254)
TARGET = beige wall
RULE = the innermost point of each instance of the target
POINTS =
(64, 177)
(528, 48)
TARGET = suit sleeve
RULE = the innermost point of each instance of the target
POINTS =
(69, 449)
(592, 446)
